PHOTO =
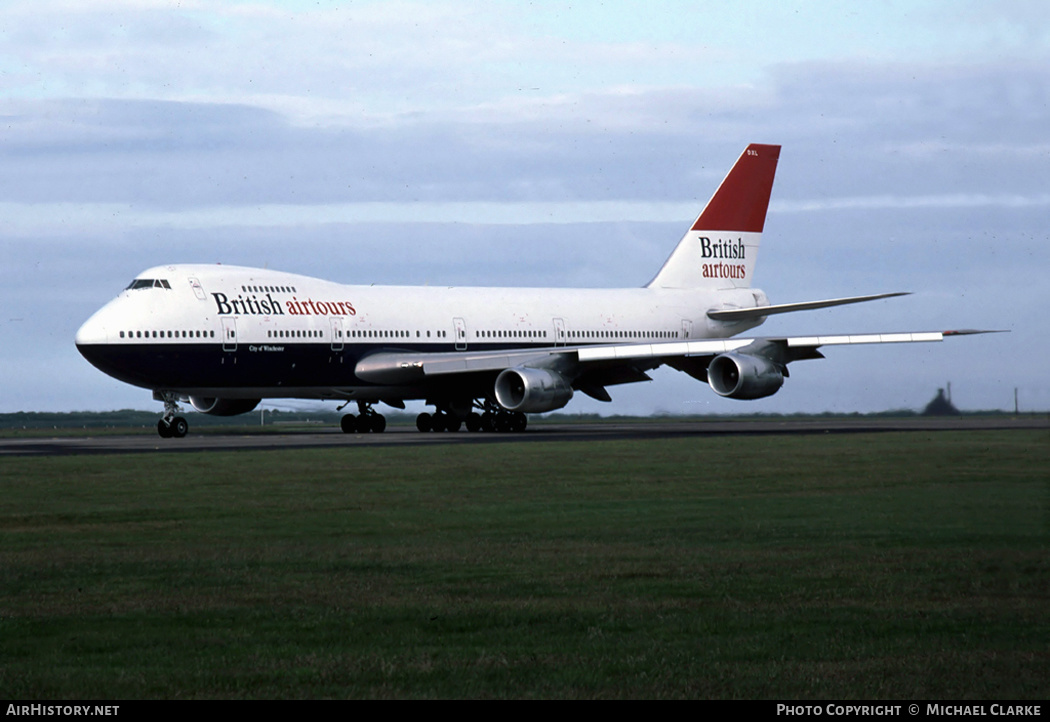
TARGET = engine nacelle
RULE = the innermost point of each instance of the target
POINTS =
(740, 376)
(532, 390)
(223, 407)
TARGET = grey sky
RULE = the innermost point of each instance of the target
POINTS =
(445, 144)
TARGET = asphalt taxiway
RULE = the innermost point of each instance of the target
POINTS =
(218, 440)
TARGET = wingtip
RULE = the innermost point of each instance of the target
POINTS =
(973, 331)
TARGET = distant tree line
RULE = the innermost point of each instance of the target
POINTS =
(129, 418)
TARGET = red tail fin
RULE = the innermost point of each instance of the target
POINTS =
(741, 201)
(720, 249)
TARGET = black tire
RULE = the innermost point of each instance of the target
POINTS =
(474, 422)
(378, 423)
(179, 427)
(348, 424)
(164, 429)
(424, 422)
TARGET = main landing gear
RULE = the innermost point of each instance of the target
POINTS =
(492, 418)
(171, 426)
(368, 421)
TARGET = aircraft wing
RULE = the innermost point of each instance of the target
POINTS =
(400, 367)
(797, 346)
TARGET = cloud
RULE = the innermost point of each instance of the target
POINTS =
(432, 144)
(845, 143)
(958, 200)
(361, 63)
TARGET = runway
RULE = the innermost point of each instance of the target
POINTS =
(268, 439)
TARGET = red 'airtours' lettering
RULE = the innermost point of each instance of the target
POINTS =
(724, 270)
(320, 308)
(254, 306)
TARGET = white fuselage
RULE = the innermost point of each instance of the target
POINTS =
(205, 329)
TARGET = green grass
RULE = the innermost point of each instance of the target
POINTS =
(886, 565)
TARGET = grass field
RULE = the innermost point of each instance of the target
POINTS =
(911, 565)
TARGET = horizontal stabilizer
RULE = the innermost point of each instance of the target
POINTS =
(743, 314)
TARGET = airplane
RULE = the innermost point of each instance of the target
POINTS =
(224, 337)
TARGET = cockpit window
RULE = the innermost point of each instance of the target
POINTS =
(148, 283)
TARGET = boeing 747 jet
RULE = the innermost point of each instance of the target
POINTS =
(223, 338)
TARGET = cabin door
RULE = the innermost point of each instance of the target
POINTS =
(460, 329)
(337, 333)
(559, 332)
(229, 333)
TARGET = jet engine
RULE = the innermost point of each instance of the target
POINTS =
(740, 376)
(532, 390)
(223, 407)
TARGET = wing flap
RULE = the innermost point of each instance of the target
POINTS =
(659, 350)
(844, 340)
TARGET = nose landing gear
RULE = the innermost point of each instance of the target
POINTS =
(170, 425)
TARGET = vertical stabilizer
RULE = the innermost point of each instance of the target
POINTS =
(720, 249)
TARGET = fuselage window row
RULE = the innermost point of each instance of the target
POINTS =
(293, 334)
(268, 289)
(510, 334)
(167, 334)
(402, 334)
(576, 334)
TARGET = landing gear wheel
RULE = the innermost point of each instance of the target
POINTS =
(176, 428)
(452, 415)
(170, 426)
(179, 427)
(367, 421)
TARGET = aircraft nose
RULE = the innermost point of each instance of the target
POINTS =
(92, 333)
(93, 340)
